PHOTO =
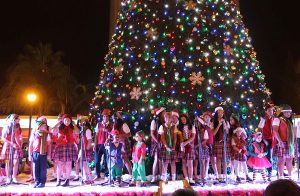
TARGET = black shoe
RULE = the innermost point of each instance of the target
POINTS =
(53, 180)
(248, 179)
(76, 179)
(238, 179)
(41, 185)
(143, 184)
(132, 184)
(58, 183)
(66, 183)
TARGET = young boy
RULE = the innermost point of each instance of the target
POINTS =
(138, 159)
(40, 150)
(115, 162)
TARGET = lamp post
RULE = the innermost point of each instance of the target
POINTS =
(31, 97)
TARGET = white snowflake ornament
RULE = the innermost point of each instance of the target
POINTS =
(135, 93)
(196, 78)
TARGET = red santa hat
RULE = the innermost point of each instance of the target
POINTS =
(268, 105)
(158, 110)
(218, 108)
(41, 118)
(184, 115)
(140, 133)
(105, 112)
(114, 132)
(175, 112)
(66, 116)
(207, 113)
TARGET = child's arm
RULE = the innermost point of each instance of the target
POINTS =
(143, 153)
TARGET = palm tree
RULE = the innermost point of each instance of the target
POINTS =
(41, 69)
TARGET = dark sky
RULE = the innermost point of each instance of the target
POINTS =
(79, 28)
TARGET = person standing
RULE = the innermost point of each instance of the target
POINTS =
(285, 136)
(138, 159)
(156, 143)
(39, 152)
(265, 126)
(103, 130)
(12, 127)
(66, 150)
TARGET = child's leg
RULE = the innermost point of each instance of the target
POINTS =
(190, 168)
(154, 167)
(128, 165)
(219, 167)
(213, 160)
(86, 171)
(68, 169)
(135, 172)
(173, 170)
(141, 171)
(15, 168)
(195, 169)
(185, 174)
(255, 171)
(263, 174)
(206, 167)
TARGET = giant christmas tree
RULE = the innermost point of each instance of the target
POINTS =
(193, 55)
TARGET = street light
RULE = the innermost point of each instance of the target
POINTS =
(31, 97)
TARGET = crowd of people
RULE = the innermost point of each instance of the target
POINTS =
(211, 140)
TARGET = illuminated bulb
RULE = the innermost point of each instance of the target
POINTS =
(251, 126)
(166, 6)
(151, 107)
(143, 109)
(176, 102)
(153, 85)
(178, 19)
(123, 94)
(139, 78)
(217, 60)
(208, 88)
(211, 103)
(146, 46)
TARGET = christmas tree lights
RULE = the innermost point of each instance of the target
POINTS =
(193, 55)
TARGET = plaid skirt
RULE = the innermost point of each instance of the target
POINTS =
(239, 157)
(18, 153)
(66, 152)
(88, 155)
(207, 152)
(53, 148)
(219, 150)
(166, 158)
(154, 148)
(282, 152)
(189, 152)
(127, 149)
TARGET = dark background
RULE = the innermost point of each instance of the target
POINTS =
(80, 28)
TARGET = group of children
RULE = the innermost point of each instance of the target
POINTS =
(209, 140)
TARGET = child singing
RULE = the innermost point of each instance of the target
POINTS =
(115, 161)
(138, 159)
(258, 160)
(12, 127)
(169, 139)
(40, 151)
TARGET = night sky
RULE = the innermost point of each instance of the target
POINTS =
(80, 29)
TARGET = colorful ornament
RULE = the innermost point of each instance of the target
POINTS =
(196, 78)
(135, 93)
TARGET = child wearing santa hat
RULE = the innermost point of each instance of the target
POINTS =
(258, 160)
(156, 142)
(138, 159)
(39, 152)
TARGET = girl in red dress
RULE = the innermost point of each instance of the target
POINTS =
(13, 125)
(66, 150)
(258, 160)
